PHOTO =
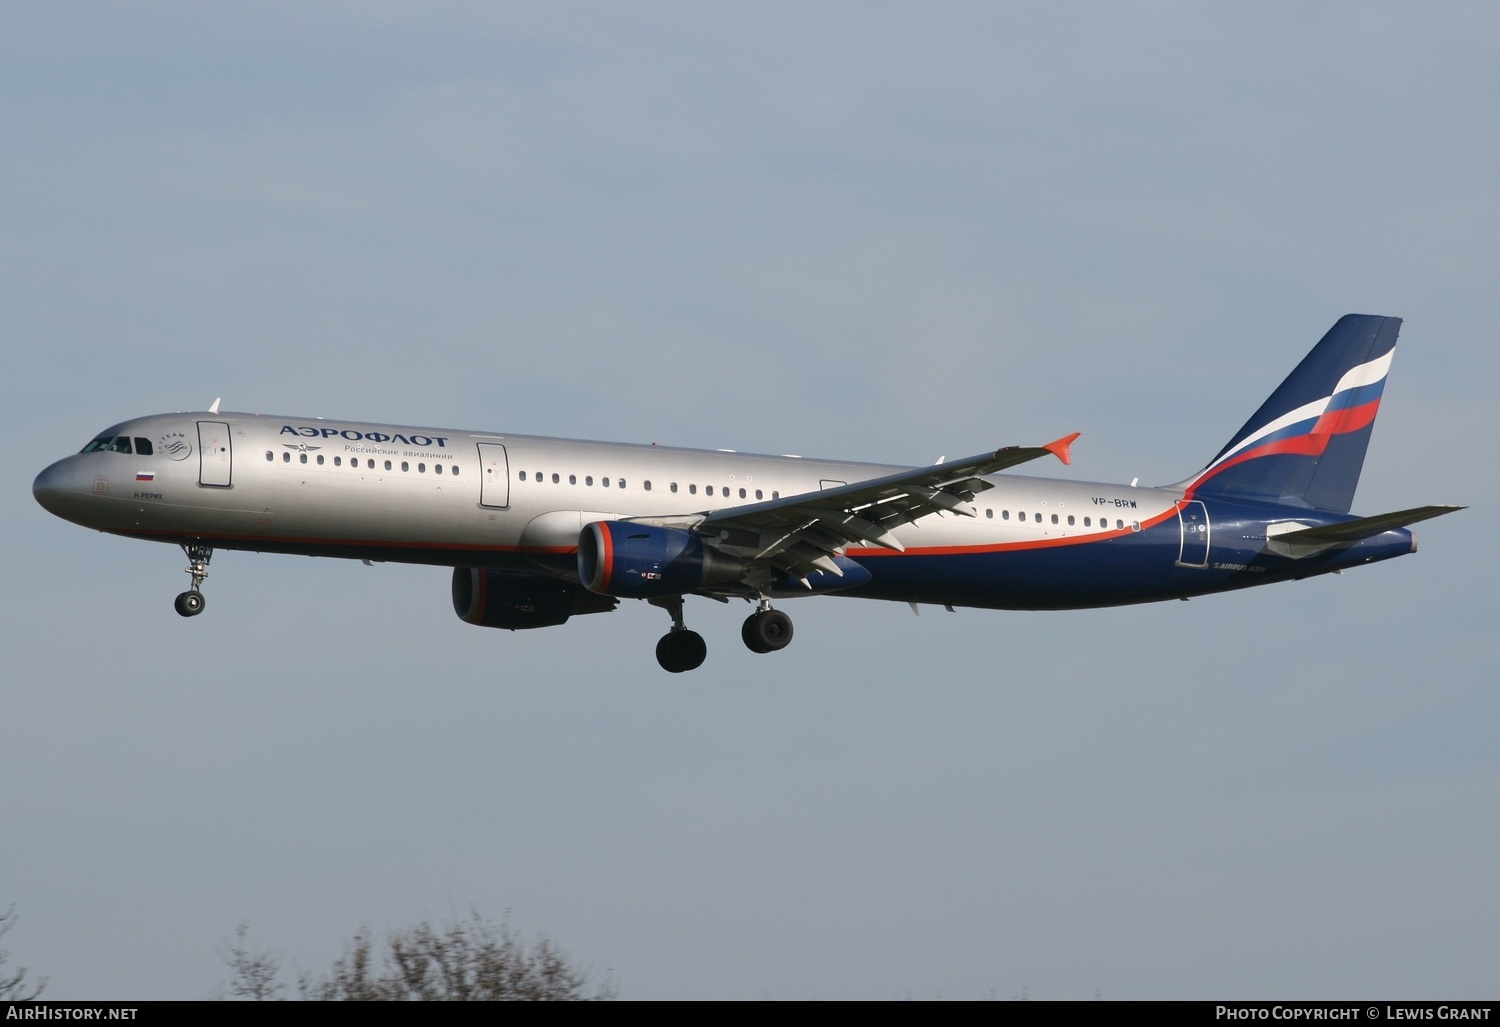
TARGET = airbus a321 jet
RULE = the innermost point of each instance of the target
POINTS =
(538, 530)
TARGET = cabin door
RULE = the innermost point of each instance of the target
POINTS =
(1192, 516)
(215, 457)
(494, 475)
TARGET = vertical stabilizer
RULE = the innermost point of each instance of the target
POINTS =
(1306, 445)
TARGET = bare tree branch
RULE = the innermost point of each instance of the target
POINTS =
(13, 986)
(472, 960)
(254, 973)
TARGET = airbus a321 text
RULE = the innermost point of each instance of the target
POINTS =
(538, 530)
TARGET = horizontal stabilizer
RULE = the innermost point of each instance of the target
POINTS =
(1362, 527)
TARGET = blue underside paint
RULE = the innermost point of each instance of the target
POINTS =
(1137, 568)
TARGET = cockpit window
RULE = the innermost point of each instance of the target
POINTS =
(116, 444)
(143, 447)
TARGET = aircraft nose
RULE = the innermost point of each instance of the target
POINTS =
(55, 487)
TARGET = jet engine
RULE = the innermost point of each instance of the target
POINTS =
(502, 599)
(640, 561)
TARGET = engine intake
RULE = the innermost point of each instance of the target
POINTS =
(640, 561)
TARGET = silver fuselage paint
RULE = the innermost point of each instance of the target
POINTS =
(297, 485)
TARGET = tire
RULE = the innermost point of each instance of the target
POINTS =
(770, 630)
(190, 604)
(680, 651)
(750, 636)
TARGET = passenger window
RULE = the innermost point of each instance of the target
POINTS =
(556, 479)
(990, 514)
(1119, 524)
(604, 481)
(421, 468)
(286, 458)
(775, 494)
(538, 476)
(757, 493)
(646, 484)
(1038, 518)
(372, 465)
(621, 483)
(338, 461)
(1070, 520)
(572, 479)
(742, 493)
(673, 487)
(588, 479)
(454, 471)
(302, 457)
(1020, 515)
(270, 456)
(523, 475)
(693, 490)
(708, 490)
(437, 468)
(143, 447)
(320, 459)
(1005, 515)
(1054, 518)
(387, 465)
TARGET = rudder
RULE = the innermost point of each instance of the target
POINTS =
(1306, 445)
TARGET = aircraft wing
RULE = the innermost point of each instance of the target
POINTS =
(1362, 527)
(801, 534)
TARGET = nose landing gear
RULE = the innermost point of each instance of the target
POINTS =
(766, 630)
(679, 649)
(191, 602)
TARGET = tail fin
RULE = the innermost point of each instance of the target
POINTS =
(1306, 445)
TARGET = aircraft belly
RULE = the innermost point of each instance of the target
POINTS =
(1076, 572)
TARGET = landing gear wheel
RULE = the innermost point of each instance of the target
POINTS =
(748, 634)
(190, 604)
(681, 650)
(767, 631)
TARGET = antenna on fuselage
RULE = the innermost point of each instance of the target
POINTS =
(215, 408)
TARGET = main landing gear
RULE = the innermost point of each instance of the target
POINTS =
(191, 602)
(765, 631)
(679, 649)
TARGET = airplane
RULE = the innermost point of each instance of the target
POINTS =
(538, 530)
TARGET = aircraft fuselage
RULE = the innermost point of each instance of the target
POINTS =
(455, 498)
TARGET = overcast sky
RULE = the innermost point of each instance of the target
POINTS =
(873, 231)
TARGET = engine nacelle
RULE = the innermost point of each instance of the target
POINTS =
(640, 561)
(502, 599)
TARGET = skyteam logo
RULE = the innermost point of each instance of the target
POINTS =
(175, 445)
